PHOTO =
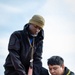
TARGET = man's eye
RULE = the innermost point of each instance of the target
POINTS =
(55, 68)
(38, 27)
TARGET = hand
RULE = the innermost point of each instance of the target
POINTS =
(30, 71)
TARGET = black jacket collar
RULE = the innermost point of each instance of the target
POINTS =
(68, 72)
(40, 35)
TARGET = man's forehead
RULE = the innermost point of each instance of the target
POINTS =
(54, 66)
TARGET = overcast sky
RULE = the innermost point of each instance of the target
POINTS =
(59, 27)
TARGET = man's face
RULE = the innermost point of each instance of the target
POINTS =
(56, 69)
(34, 29)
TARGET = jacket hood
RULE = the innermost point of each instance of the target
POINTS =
(68, 72)
(40, 35)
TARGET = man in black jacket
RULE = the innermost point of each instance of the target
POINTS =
(57, 67)
(25, 49)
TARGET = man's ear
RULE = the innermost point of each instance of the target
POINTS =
(63, 66)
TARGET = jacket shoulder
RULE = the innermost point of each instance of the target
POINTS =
(17, 33)
(44, 71)
(72, 73)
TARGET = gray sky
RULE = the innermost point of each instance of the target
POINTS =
(59, 26)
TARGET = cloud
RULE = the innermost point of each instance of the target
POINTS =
(53, 7)
(59, 42)
(6, 11)
(10, 9)
(71, 5)
(3, 46)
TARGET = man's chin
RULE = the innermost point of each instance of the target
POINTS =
(34, 35)
(53, 74)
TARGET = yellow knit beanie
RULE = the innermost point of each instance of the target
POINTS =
(37, 20)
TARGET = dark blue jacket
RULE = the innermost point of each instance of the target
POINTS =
(18, 59)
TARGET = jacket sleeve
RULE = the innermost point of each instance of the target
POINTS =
(37, 64)
(72, 73)
(14, 51)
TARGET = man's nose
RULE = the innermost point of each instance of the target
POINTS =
(38, 30)
(52, 70)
